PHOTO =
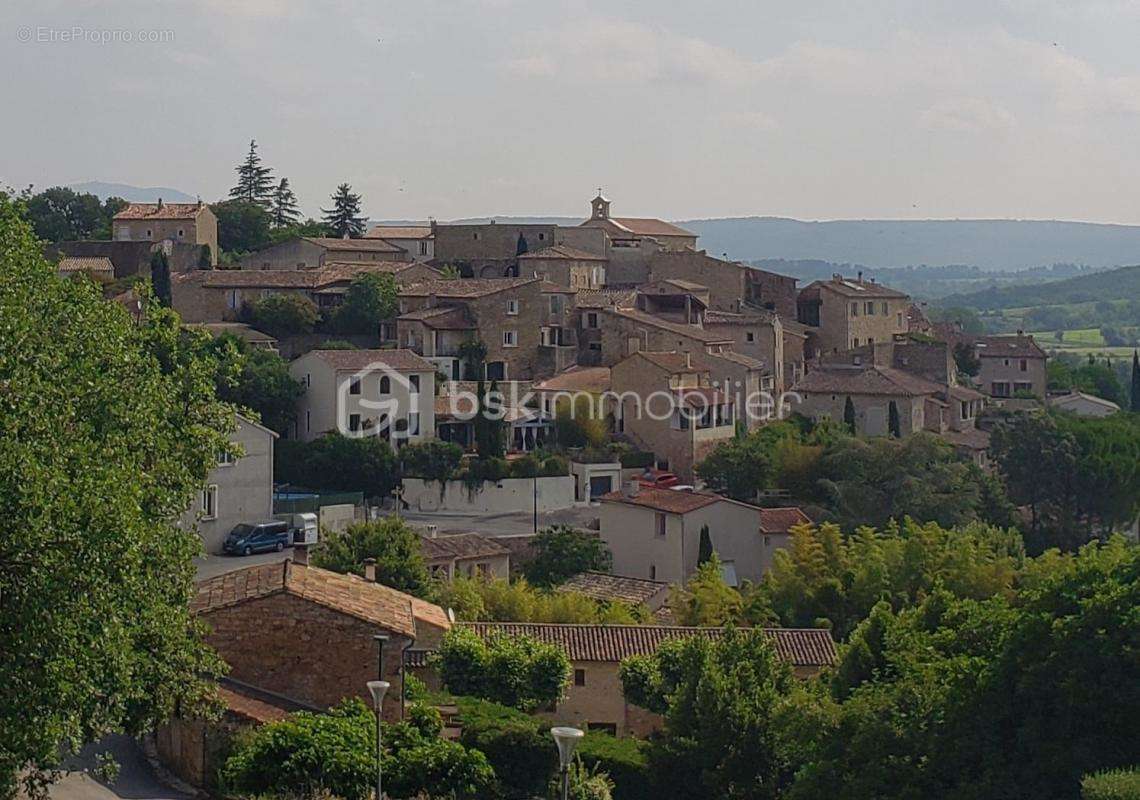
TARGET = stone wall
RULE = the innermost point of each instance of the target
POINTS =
(510, 495)
(128, 258)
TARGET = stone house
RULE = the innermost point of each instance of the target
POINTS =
(506, 315)
(307, 634)
(665, 402)
(594, 699)
(756, 334)
(565, 266)
(845, 313)
(238, 489)
(656, 533)
(493, 249)
(588, 307)
(129, 258)
(385, 393)
(180, 223)
(468, 554)
(625, 331)
(731, 284)
(225, 295)
(417, 241)
(629, 231)
(1010, 364)
(99, 267)
(313, 252)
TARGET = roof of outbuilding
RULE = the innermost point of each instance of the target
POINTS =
(577, 379)
(348, 594)
(802, 647)
(604, 586)
(358, 245)
(671, 501)
(606, 298)
(352, 360)
(464, 288)
(782, 520)
(460, 545)
(85, 264)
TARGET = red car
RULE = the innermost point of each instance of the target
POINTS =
(658, 479)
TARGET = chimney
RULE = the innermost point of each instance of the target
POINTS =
(160, 202)
(432, 531)
(632, 488)
(370, 570)
(860, 278)
(301, 554)
(1020, 332)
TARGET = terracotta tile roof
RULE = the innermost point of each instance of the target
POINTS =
(1008, 347)
(165, 211)
(708, 360)
(250, 708)
(464, 288)
(668, 500)
(357, 245)
(553, 288)
(963, 393)
(347, 594)
(692, 331)
(562, 252)
(970, 439)
(638, 226)
(460, 545)
(353, 360)
(336, 272)
(399, 232)
(577, 379)
(869, 380)
(1075, 398)
(672, 362)
(752, 316)
(854, 288)
(782, 520)
(238, 329)
(85, 264)
(603, 586)
(444, 318)
(802, 647)
(606, 298)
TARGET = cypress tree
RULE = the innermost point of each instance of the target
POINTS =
(849, 414)
(893, 420)
(1135, 402)
(705, 552)
(255, 182)
(160, 276)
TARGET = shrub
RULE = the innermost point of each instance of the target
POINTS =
(625, 761)
(637, 459)
(391, 541)
(518, 746)
(337, 463)
(584, 783)
(562, 551)
(1117, 784)
(285, 314)
(555, 466)
(525, 467)
(432, 460)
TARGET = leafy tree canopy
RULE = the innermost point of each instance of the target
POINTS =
(336, 463)
(390, 541)
(283, 315)
(517, 671)
(562, 551)
(369, 300)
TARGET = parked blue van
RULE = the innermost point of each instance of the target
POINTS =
(260, 537)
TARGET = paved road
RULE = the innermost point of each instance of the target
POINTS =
(135, 781)
(513, 524)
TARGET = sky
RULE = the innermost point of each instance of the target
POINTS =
(456, 108)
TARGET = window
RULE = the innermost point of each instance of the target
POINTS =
(855, 342)
(226, 459)
(898, 319)
(414, 424)
(148, 233)
(232, 299)
(542, 237)
(999, 389)
(659, 524)
(579, 677)
(750, 336)
(482, 569)
(423, 247)
(308, 420)
(439, 571)
(354, 386)
(885, 309)
(385, 385)
(180, 233)
(354, 422)
(413, 384)
(512, 308)
(510, 339)
(1024, 365)
(592, 319)
(209, 501)
(965, 410)
(652, 572)
(555, 304)
(854, 309)
(476, 235)
(869, 308)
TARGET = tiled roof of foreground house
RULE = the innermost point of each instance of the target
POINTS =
(366, 600)
(400, 360)
(460, 545)
(577, 379)
(802, 647)
(606, 298)
(873, 380)
(604, 586)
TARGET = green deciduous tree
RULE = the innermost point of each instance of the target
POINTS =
(344, 219)
(499, 600)
(740, 467)
(706, 599)
(60, 214)
(243, 226)
(258, 379)
(369, 300)
(561, 552)
(517, 671)
(432, 460)
(108, 429)
(391, 541)
(255, 182)
(283, 315)
(337, 463)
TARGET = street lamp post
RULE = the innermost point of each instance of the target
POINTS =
(567, 741)
(378, 689)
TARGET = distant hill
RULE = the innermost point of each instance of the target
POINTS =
(989, 244)
(1112, 285)
(135, 194)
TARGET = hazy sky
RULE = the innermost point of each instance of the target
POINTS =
(963, 108)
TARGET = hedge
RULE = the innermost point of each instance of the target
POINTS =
(625, 760)
(637, 459)
(1117, 784)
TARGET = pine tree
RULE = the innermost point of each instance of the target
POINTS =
(285, 210)
(344, 219)
(1135, 404)
(160, 276)
(255, 182)
(849, 415)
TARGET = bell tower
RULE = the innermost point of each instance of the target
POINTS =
(600, 207)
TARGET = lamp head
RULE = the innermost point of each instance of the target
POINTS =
(378, 689)
(567, 741)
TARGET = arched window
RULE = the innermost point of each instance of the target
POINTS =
(385, 385)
